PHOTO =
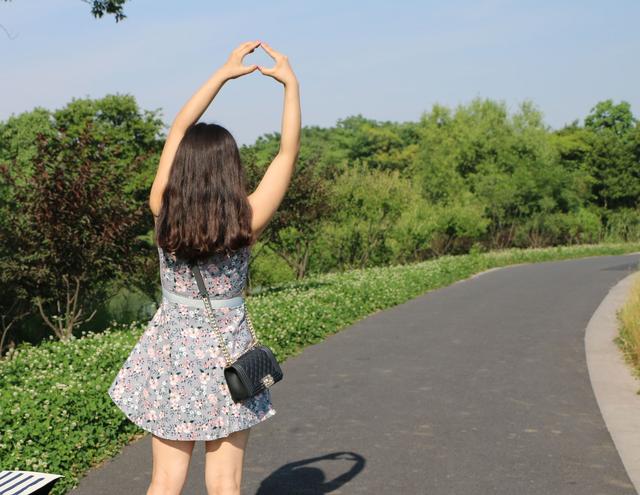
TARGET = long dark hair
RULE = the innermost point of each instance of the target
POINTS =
(205, 209)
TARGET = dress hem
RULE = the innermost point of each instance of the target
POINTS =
(223, 433)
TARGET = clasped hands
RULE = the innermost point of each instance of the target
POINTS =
(281, 72)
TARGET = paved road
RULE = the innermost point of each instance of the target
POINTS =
(477, 388)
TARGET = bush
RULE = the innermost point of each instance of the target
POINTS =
(623, 225)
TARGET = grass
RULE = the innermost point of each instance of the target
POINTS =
(629, 321)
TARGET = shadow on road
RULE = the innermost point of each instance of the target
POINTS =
(300, 478)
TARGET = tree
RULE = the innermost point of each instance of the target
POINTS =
(612, 159)
(377, 145)
(101, 7)
(294, 227)
(72, 228)
(130, 141)
(607, 116)
(14, 303)
(368, 204)
(572, 144)
(508, 162)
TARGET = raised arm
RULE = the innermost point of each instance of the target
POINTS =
(192, 111)
(270, 192)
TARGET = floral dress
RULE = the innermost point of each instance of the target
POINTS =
(172, 383)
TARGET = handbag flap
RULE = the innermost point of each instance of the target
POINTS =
(256, 364)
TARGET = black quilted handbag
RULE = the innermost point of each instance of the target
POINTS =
(255, 369)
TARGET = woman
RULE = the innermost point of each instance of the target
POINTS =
(172, 383)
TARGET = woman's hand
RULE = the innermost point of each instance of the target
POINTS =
(282, 71)
(233, 67)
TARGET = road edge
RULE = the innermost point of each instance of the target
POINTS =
(612, 381)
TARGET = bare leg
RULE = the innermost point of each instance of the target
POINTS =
(170, 465)
(223, 463)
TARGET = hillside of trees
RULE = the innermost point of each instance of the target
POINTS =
(76, 231)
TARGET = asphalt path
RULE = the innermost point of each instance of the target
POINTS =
(480, 387)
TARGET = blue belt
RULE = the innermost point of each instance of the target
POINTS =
(199, 303)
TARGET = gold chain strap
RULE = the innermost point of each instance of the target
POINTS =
(214, 324)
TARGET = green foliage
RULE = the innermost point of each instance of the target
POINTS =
(622, 224)
(294, 227)
(56, 415)
(609, 117)
(73, 204)
(613, 159)
(102, 7)
(377, 145)
(552, 229)
(368, 203)
(369, 193)
(528, 178)
(129, 138)
(267, 268)
(72, 225)
(572, 144)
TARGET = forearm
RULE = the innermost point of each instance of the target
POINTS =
(201, 99)
(290, 135)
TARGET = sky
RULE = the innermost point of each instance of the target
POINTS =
(389, 61)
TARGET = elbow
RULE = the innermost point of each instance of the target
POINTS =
(291, 153)
(154, 204)
(295, 151)
(296, 154)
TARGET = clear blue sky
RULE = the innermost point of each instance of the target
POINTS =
(385, 60)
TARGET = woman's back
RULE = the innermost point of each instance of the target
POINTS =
(224, 275)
